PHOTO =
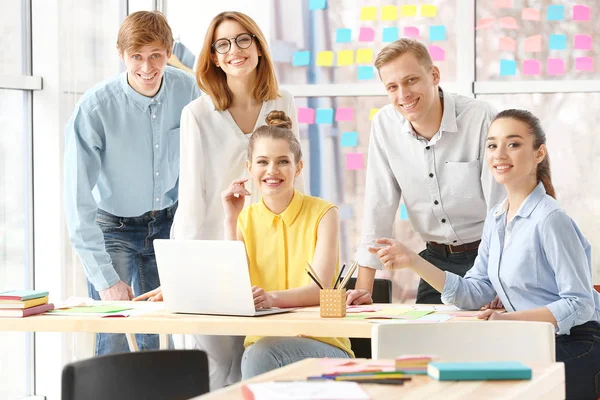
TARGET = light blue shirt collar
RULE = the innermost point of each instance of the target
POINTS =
(141, 101)
(528, 205)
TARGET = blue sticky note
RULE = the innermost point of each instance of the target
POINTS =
(390, 34)
(508, 67)
(317, 4)
(301, 58)
(556, 13)
(324, 116)
(403, 213)
(349, 139)
(343, 35)
(365, 72)
(437, 32)
(558, 42)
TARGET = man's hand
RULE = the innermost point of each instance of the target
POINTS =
(358, 296)
(117, 292)
(492, 315)
(153, 295)
(394, 255)
(494, 304)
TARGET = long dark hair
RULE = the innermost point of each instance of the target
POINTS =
(533, 123)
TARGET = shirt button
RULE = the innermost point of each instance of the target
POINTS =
(436, 202)
(157, 199)
(427, 148)
(154, 116)
(431, 175)
(159, 102)
(443, 220)
(157, 173)
(454, 241)
(156, 146)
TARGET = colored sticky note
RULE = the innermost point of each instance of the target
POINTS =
(324, 116)
(366, 34)
(354, 161)
(531, 67)
(325, 58)
(530, 14)
(437, 53)
(390, 34)
(558, 42)
(437, 32)
(365, 72)
(301, 58)
(485, 23)
(411, 31)
(583, 42)
(556, 13)
(502, 3)
(344, 114)
(346, 212)
(508, 23)
(508, 67)
(507, 44)
(364, 56)
(372, 113)
(585, 64)
(368, 13)
(581, 13)
(306, 115)
(428, 10)
(317, 4)
(349, 139)
(408, 11)
(555, 66)
(403, 213)
(533, 44)
(389, 13)
(345, 57)
(343, 35)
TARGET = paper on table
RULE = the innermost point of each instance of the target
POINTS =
(435, 317)
(101, 310)
(305, 390)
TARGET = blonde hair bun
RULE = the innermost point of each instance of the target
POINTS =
(278, 119)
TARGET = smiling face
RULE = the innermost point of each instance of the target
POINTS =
(237, 62)
(145, 68)
(273, 166)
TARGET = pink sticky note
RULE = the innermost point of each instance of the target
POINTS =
(585, 64)
(507, 44)
(555, 66)
(344, 114)
(411, 31)
(502, 3)
(437, 53)
(508, 23)
(583, 42)
(581, 13)
(531, 67)
(533, 44)
(530, 14)
(306, 115)
(354, 161)
(485, 23)
(366, 34)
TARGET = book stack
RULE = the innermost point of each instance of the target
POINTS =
(23, 303)
(479, 371)
(413, 364)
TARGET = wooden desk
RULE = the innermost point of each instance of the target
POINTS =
(548, 383)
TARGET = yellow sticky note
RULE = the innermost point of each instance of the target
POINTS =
(325, 58)
(345, 57)
(389, 13)
(428, 10)
(364, 56)
(372, 113)
(368, 13)
(408, 11)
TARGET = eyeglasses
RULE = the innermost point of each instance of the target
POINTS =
(243, 41)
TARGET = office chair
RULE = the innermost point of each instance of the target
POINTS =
(382, 293)
(148, 375)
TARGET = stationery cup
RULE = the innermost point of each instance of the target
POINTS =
(332, 303)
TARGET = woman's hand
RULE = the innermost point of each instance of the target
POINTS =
(153, 295)
(394, 255)
(492, 315)
(233, 198)
(262, 299)
(496, 303)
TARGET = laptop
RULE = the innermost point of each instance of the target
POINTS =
(206, 277)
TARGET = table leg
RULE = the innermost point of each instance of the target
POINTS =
(133, 346)
(164, 341)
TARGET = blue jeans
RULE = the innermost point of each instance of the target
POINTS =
(129, 242)
(270, 353)
(580, 351)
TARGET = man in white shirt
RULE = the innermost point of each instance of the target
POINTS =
(427, 146)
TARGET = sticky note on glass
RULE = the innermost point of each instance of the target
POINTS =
(301, 58)
(585, 64)
(581, 13)
(508, 67)
(403, 213)
(345, 57)
(343, 35)
(368, 13)
(557, 42)
(344, 114)
(508, 23)
(530, 14)
(556, 13)
(408, 11)
(531, 67)
(306, 115)
(325, 58)
(437, 53)
(364, 56)
(411, 31)
(533, 44)
(365, 72)
(366, 34)
(390, 34)
(428, 10)
(502, 3)
(317, 4)
(349, 139)
(324, 116)
(372, 113)
(354, 161)
(389, 13)
(555, 66)
(485, 23)
(437, 33)
(583, 42)
(507, 44)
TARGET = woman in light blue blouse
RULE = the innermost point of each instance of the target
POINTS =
(532, 255)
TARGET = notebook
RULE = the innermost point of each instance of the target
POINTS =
(18, 313)
(478, 371)
(22, 294)
(23, 303)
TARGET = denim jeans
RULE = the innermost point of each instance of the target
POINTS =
(580, 351)
(129, 242)
(458, 263)
(270, 353)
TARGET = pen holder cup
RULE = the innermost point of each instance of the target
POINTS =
(332, 303)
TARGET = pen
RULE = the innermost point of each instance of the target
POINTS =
(314, 279)
(312, 271)
(339, 277)
(349, 275)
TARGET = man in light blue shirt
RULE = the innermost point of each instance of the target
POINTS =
(122, 167)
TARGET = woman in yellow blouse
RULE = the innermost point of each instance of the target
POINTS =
(281, 233)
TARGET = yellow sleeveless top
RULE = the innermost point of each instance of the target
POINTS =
(279, 245)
